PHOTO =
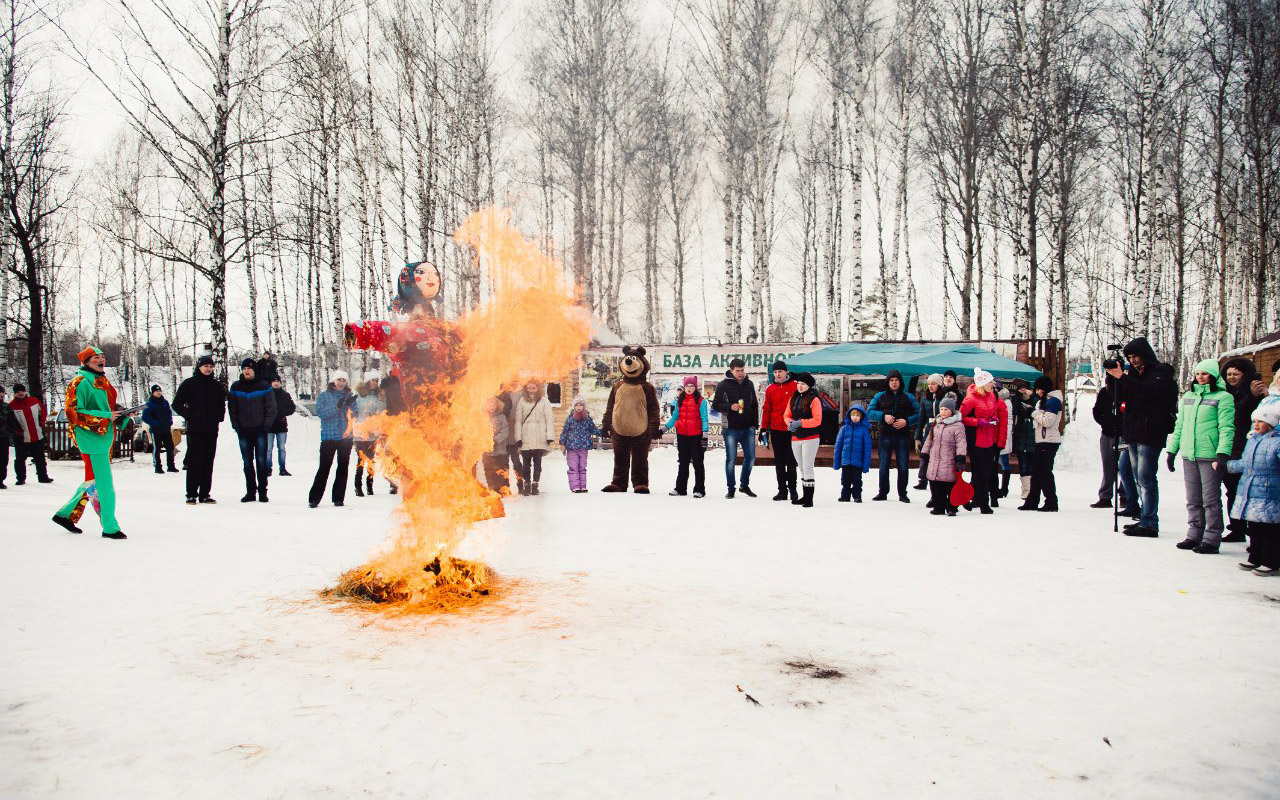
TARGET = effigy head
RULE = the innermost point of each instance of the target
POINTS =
(417, 288)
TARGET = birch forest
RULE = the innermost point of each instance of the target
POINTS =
(255, 172)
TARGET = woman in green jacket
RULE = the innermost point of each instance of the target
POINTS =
(1203, 434)
(91, 416)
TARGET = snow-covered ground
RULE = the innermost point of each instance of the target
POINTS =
(979, 657)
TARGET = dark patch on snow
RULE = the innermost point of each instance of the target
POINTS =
(815, 671)
(1272, 599)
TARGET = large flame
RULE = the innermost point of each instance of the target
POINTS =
(528, 329)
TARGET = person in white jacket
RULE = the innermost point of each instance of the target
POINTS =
(533, 424)
(1006, 470)
(1047, 417)
(367, 404)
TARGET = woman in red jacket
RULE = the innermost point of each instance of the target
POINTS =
(987, 418)
(804, 422)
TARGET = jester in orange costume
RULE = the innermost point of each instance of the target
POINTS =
(91, 416)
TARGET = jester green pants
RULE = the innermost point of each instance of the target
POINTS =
(98, 488)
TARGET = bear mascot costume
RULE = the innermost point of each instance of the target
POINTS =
(631, 422)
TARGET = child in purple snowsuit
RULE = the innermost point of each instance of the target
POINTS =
(575, 438)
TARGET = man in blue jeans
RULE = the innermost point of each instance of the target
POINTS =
(739, 408)
(896, 412)
(252, 407)
(1149, 397)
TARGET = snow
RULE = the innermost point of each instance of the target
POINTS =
(982, 656)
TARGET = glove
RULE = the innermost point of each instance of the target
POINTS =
(1220, 463)
(960, 463)
(764, 438)
(793, 425)
(1169, 461)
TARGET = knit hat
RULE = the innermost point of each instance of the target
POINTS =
(1268, 413)
(803, 377)
(203, 360)
(250, 363)
(982, 378)
(577, 400)
(690, 380)
(370, 375)
(951, 373)
(155, 387)
(1210, 366)
(88, 353)
(18, 387)
(948, 402)
(779, 365)
(934, 378)
(339, 375)
(1044, 383)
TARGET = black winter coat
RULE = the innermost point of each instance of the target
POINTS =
(202, 402)
(1104, 412)
(1150, 399)
(730, 391)
(9, 428)
(284, 407)
(1245, 399)
(267, 370)
(252, 405)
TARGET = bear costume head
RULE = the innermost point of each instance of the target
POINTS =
(634, 366)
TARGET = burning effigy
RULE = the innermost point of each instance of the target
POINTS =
(528, 327)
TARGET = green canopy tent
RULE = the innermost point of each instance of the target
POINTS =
(877, 358)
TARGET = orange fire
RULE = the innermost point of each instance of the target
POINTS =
(529, 328)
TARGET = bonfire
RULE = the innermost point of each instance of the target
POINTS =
(528, 328)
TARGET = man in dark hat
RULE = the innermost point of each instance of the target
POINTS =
(201, 400)
(251, 403)
(1149, 394)
(773, 429)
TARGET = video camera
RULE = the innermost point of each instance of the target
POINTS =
(1115, 357)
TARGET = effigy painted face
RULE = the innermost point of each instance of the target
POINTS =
(427, 278)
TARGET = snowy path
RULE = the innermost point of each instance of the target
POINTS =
(981, 657)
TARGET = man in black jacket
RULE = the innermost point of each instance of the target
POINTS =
(280, 428)
(9, 430)
(201, 401)
(735, 400)
(1247, 388)
(1149, 398)
(252, 405)
(266, 369)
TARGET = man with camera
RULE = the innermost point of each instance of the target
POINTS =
(1148, 399)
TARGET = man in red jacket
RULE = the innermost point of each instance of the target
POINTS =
(31, 416)
(774, 433)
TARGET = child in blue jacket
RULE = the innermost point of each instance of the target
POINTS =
(575, 438)
(853, 453)
(1258, 497)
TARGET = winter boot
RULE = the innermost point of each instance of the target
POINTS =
(522, 489)
(745, 489)
(368, 489)
(846, 494)
(1005, 475)
(159, 471)
(359, 490)
(808, 496)
(782, 493)
(533, 487)
(116, 535)
(251, 497)
(1025, 480)
(262, 495)
(921, 485)
(791, 490)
